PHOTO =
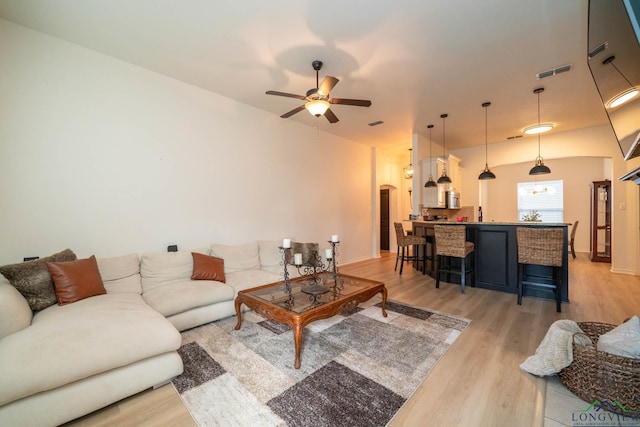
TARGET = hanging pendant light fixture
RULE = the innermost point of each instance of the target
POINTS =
(430, 183)
(444, 179)
(408, 170)
(486, 174)
(624, 96)
(539, 168)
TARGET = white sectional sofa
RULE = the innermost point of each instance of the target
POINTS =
(65, 361)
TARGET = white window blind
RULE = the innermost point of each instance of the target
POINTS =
(544, 197)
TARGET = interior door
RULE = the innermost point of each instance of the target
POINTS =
(384, 219)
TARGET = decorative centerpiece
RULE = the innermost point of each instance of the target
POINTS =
(308, 262)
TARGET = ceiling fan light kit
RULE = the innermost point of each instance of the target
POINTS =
(317, 99)
(317, 107)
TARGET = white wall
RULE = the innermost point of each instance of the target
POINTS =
(107, 158)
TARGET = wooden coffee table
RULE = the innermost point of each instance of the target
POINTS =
(272, 302)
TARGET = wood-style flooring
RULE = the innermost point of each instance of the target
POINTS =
(478, 382)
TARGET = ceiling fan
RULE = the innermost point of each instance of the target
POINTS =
(318, 101)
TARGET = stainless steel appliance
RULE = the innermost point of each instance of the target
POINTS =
(453, 199)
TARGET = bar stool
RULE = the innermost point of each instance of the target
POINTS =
(406, 241)
(540, 246)
(451, 241)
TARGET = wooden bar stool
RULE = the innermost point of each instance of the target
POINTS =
(451, 241)
(405, 242)
(540, 246)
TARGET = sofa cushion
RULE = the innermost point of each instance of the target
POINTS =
(129, 331)
(237, 257)
(207, 267)
(121, 273)
(33, 280)
(180, 296)
(158, 269)
(76, 280)
(270, 255)
(15, 313)
(241, 280)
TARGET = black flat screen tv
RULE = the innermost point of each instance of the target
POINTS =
(614, 62)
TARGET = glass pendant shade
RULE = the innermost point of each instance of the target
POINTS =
(407, 171)
(539, 168)
(486, 174)
(317, 107)
(430, 183)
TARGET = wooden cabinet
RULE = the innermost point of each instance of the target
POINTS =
(600, 248)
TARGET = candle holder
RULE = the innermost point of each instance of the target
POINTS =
(311, 266)
(312, 269)
(338, 282)
(287, 280)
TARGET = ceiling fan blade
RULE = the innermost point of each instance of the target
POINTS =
(290, 95)
(355, 102)
(330, 116)
(327, 84)
(292, 112)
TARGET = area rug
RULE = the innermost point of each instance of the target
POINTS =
(357, 369)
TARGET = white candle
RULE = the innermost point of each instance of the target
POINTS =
(286, 243)
(297, 259)
(334, 238)
(328, 253)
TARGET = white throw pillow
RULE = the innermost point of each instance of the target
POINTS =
(237, 257)
(623, 340)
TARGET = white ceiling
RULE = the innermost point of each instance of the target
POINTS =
(414, 59)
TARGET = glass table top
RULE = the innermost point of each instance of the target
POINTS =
(305, 296)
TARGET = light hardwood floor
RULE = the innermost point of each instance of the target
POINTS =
(478, 382)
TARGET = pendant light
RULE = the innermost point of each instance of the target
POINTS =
(444, 179)
(486, 174)
(430, 183)
(624, 96)
(539, 168)
(408, 170)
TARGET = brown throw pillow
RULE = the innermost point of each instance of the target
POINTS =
(33, 281)
(76, 280)
(207, 267)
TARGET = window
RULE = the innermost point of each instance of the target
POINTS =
(544, 197)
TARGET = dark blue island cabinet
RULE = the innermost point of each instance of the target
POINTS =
(496, 256)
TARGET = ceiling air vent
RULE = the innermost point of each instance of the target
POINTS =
(598, 49)
(514, 137)
(553, 72)
(376, 123)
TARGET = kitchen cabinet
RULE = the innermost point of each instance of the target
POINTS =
(600, 248)
(433, 197)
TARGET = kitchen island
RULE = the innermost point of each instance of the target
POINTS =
(496, 255)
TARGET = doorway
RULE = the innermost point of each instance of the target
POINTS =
(384, 219)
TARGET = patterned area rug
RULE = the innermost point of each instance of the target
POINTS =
(357, 370)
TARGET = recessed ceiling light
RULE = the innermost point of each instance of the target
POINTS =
(623, 97)
(540, 128)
